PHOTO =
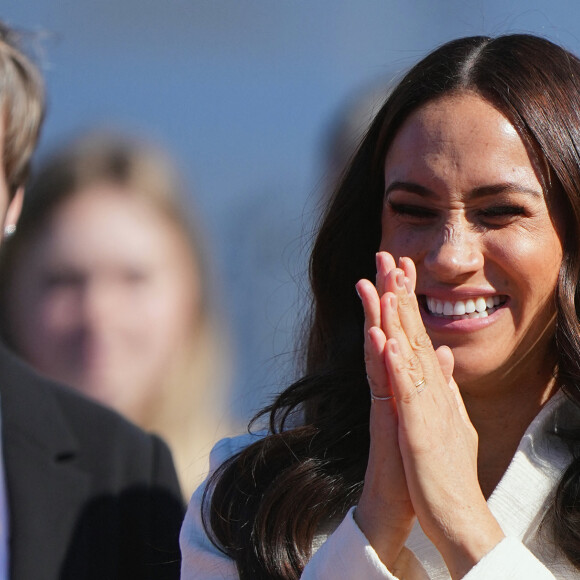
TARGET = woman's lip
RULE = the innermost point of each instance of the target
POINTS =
(463, 295)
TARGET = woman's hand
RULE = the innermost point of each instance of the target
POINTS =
(435, 440)
(384, 513)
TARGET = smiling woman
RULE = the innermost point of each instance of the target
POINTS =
(462, 205)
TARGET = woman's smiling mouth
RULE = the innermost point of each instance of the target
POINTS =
(476, 307)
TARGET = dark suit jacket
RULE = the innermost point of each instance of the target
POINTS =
(90, 495)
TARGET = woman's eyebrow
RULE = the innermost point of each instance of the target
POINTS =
(505, 187)
(410, 187)
(482, 191)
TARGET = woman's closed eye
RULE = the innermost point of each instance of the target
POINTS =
(501, 215)
(412, 211)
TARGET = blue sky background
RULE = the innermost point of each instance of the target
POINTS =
(244, 93)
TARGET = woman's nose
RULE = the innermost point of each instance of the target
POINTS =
(100, 303)
(455, 255)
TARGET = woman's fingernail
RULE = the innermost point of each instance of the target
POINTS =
(400, 279)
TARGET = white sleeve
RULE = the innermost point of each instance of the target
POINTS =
(348, 555)
(200, 559)
(509, 560)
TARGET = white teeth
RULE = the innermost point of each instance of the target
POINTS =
(479, 308)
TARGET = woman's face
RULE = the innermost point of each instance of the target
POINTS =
(104, 296)
(463, 200)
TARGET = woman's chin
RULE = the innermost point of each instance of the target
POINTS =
(474, 378)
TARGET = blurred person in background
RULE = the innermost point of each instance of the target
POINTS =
(106, 287)
(346, 130)
(83, 492)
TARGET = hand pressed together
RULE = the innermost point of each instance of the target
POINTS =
(423, 452)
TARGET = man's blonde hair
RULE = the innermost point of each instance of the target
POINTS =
(22, 106)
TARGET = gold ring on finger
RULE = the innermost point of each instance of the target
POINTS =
(420, 385)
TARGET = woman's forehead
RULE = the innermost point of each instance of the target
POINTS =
(459, 138)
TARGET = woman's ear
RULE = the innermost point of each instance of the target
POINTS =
(13, 211)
